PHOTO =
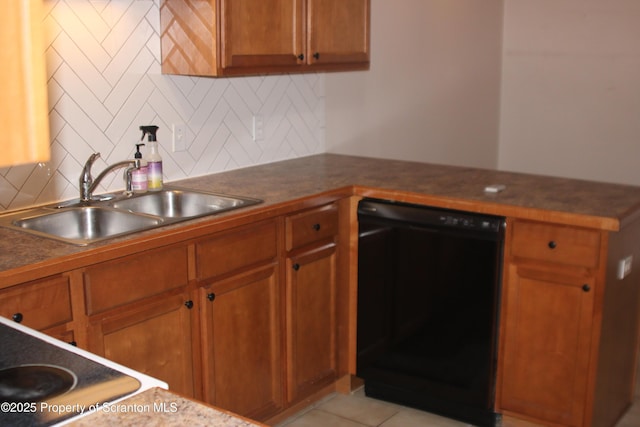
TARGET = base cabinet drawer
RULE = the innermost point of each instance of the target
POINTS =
(231, 252)
(41, 305)
(556, 243)
(115, 283)
(311, 226)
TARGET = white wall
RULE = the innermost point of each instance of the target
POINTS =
(571, 89)
(432, 93)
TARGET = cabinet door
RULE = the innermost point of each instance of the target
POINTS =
(547, 336)
(258, 33)
(311, 321)
(241, 342)
(338, 31)
(23, 84)
(151, 337)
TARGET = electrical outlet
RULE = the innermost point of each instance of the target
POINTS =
(624, 267)
(179, 137)
(258, 127)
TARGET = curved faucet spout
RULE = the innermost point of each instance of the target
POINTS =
(88, 184)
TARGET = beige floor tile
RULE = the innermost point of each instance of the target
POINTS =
(356, 407)
(632, 417)
(357, 410)
(413, 418)
(318, 418)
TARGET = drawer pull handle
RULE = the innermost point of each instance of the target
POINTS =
(296, 267)
(17, 317)
(316, 227)
(189, 304)
(211, 296)
(552, 245)
(586, 288)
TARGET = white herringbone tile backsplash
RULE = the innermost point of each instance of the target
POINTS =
(103, 59)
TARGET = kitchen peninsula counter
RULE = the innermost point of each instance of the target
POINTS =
(287, 184)
(585, 291)
(158, 407)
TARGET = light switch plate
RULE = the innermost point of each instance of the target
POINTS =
(624, 267)
(179, 137)
(258, 127)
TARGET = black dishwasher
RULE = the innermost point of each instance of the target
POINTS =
(428, 292)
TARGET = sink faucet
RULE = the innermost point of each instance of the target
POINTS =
(88, 184)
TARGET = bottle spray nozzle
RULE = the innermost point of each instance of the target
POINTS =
(149, 130)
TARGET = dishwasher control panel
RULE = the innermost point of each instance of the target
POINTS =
(471, 222)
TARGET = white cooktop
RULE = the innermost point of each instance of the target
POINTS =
(98, 380)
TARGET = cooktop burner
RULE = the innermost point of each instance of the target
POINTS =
(42, 384)
(34, 383)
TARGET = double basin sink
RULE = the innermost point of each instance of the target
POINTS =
(82, 223)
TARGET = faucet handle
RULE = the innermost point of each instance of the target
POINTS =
(86, 170)
(92, 158)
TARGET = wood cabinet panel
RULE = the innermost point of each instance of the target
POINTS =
(40, 304)
(23, 84)
(153, 338)
(554, 243)
(311, 226)
(262, 33)
(311, 321)
(115, 283)
(547, 345)
(238, 249)
(62, 334)
(244, 37)
(241, 341)
(338, 31)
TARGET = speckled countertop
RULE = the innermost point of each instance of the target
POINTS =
(282, 184)
(157, 407)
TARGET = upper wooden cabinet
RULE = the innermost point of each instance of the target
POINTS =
(23, 83)
(243, 37)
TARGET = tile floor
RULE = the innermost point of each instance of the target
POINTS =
(357, 410)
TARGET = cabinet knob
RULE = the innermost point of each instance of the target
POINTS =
(17, 317)
(296, 266)
(316, 55)
(301, 57)
(211, 296)
(586, 287)
(73, 343)
(316, 227)
(552, 244)
(189, 304)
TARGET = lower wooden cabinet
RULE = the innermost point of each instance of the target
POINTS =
(241, 343)
(152, 337)
(44, 305)
(311, 321)
(547, 345)
(139, 314)
(548, 325)
(244, 318)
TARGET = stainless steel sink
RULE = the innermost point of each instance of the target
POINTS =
(181, 203)
(82, 223)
